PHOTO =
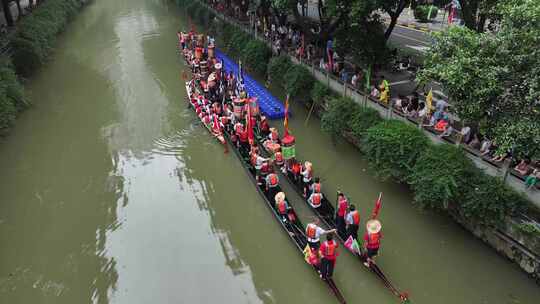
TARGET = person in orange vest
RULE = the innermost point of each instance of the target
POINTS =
(282, 206)
(342, 206)
(272, 183)
(315, 199)
(278, 159)
(329, 254)
(352, 220)
(316, 186)
(266, 169)
(314, 233)
(372, 240)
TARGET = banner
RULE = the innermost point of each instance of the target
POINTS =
(288, 152)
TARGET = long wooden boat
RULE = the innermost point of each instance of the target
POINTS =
(293, 227)
(326, 213)
(219, 137)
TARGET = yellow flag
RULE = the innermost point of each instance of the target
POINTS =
(429, 101)
(307, 253)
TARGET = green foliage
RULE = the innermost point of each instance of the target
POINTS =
(256, 55)
(393, 147)
(422, 13)
(440, 176)
(362, 119)
(336, 119)
(237, 43)
(494, 79)
(36, 33)
(319, 93)
(488, 200)
(363, 40)
(298, 81)
(529, 228)
(277, 67)
(12, 98)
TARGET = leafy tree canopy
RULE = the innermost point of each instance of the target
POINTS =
(494, 79)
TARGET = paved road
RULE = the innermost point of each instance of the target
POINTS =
(410, 38)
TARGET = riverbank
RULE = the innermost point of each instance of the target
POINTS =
(442, 177)
(27, 50)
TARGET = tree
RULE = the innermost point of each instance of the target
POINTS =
(332, 14)
(475, 13)
(393, 9)
(494, 79)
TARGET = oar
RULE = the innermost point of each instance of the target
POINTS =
(309, 113)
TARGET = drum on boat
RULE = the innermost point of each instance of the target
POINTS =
(288, 147)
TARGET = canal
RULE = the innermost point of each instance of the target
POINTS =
(111, 192)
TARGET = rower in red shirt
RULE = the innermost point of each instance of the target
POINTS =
(329, 254)
(372, 240)
(272, 182)
(343, 205)
(316, 186)
(264, 128)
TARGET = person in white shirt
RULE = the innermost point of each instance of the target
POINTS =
(307, 175)
(314, 233)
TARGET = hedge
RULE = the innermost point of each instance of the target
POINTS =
(362, 119)
(393, 147)
(440, 176)
(12, 99)
(488, 201)
(256, 56)
(320, 93)
(277, 67)
(298, 82)
(36, 33)
(334, 120)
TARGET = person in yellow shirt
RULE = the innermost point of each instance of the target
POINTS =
(385, 96)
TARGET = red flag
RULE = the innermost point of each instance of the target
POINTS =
(249, 125)
(216, 126)
(377, 208)
(302, 47)
(286, 119)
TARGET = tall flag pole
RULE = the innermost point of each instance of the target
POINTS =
(249, 125)
(286, 119)
(377, 208)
